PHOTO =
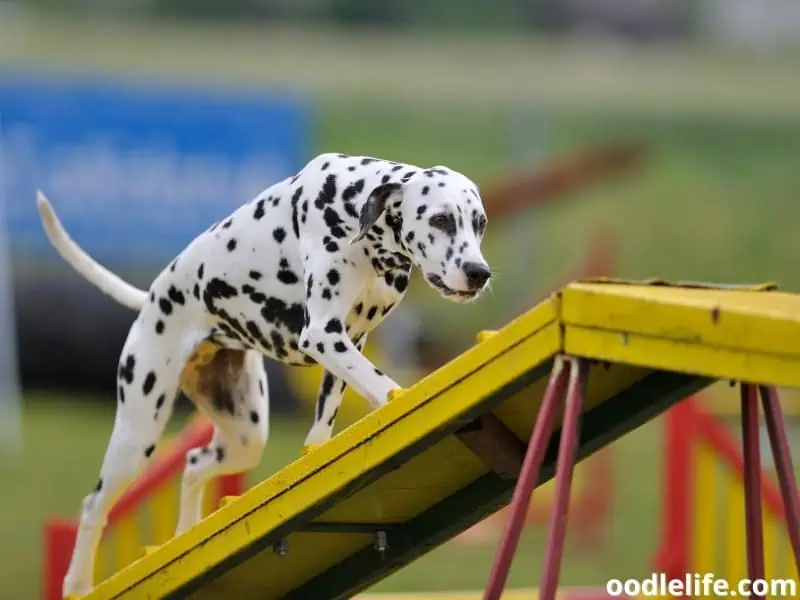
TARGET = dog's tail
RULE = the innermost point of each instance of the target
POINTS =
(97, 274)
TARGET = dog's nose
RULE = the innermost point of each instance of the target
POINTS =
(477, 274)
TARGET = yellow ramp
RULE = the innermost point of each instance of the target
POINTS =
(444, 454)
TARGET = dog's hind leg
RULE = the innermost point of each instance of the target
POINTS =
(148, 380)
(230, 386)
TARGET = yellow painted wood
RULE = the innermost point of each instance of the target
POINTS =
(669, 355)
(705, 541)
(735, 543)
(128, 541)
(773, 530)
(763, 322)
(164, 511)
(789, 566)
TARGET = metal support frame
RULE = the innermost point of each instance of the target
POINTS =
(572, 373)
(776, 429)
(565, 369)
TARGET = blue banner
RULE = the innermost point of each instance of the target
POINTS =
(136, 170)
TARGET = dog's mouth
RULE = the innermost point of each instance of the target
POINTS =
(448, 292)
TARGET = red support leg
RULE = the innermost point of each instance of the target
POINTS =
(773, 415)
(568, 444)
(528, 477)
(752, 485)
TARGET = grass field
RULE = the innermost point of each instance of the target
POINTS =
(718, 200)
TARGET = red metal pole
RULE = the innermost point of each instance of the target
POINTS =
(568, 444)
(529, 475)
(59, 539)
(752, 485)
(773, 415)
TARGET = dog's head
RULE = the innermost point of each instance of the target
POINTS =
(438, 221)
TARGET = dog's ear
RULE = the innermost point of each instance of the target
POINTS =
(373, 208)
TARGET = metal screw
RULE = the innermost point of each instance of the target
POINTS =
(280, 547)
(381, 543)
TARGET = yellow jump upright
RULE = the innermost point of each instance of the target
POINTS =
(447, 452)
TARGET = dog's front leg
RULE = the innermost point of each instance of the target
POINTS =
(325, 339)
(329, 398)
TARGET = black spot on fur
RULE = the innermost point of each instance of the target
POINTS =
(231, 245)
(196, 291)
(277, 312)
(324, 392)
(254, 275)
(372, 312)
(425, 190)
(121, 394)
(149, 450)
(295, 201)
(352, 190)
(227, 223)
(220, 453)
(326, 294)
(160, 402)
(159, 327)
(176, 295)
(334, 326)
(126, 369)
(287, 277)
(334, 223)
(259, 212)
(149, 382)
(328, 192)
(165, 306)
(358, 308)
(279, 344)
(254, 416)
(333, 276)
(200, 271)
(99, 485)
(340, 347)
(401, 283)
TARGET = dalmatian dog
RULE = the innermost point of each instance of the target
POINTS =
(301, 274)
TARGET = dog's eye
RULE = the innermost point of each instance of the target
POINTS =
(445, 222)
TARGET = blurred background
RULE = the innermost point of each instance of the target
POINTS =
(628, 138)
